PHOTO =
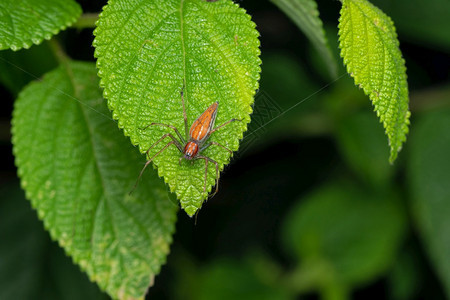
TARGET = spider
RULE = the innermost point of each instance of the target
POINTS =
(195, 141)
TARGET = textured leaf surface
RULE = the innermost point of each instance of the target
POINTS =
(370, 49)
(305, 15)
(352, 231)
(27, 22)
(77, 169)
(429, 176)
(147, 49)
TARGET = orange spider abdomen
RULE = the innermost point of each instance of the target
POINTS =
(201, 127)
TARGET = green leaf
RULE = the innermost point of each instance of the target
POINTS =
(148, 49)
(363, 145)
(407, 276)
(305, 15)
(250, 278)
(77, 169)
(370, 50)
(429, 177)
(27, 22)
(32, 266)
(352, 235)
(245, 282)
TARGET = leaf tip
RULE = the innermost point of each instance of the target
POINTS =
(393, 156)
(190, 210)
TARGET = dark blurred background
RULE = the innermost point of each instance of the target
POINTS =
(310, 207)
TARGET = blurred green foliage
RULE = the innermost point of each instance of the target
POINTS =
(312, 207)
(432, 30)
(351, 234)
(31, 265)
(363, 146)
(19, 68)
(239, 279)
(429, 186)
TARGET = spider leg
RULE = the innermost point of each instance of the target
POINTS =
(168, 126)
(207, 159)
(224, 124)
(174, 140)
(217, 144)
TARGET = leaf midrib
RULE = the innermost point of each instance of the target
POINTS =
(183, 46)
(105, 197)
(398, 81)
(382, 37)
(98, 170)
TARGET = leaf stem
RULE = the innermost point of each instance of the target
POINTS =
(86, 20)
(58, 51)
